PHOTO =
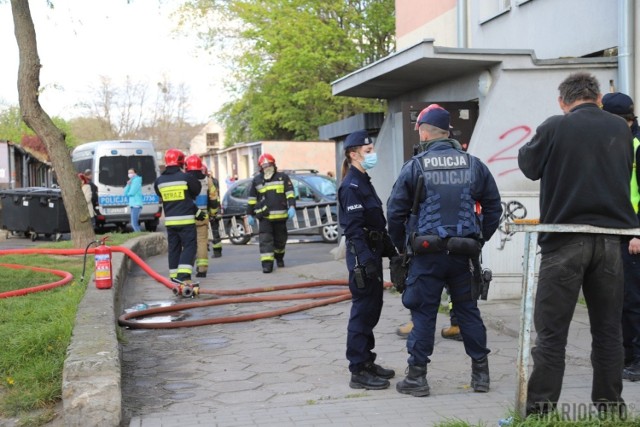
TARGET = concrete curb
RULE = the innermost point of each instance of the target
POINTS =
(91, 389)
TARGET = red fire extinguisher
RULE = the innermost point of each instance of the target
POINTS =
(103, 266)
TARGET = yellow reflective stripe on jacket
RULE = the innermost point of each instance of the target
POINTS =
(634, 190)
(252, 200)
(179, 220)
(290, 195)
(278, 215)
(277, 186)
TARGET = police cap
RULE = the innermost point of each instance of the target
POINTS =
(438, 117)
(357, 138)
(617, 103)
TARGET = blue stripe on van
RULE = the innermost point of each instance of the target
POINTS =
(124, 200)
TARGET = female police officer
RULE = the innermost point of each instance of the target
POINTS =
(363, 224)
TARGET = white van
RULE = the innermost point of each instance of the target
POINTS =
(110, 161)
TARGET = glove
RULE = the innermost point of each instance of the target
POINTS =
(388, 249)
(398, 270)
(201, 214)
(251, 220)
(371, 269)
(291, 212)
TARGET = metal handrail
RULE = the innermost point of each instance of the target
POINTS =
(529, 284)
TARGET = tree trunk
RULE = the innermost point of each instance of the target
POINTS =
(37, 119)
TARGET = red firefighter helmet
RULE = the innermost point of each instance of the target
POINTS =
(174, 157)
(193, 163)
(265, 159)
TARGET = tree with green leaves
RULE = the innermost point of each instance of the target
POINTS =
(14, 129)
(286, 53)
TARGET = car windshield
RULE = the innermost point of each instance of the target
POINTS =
(323, 184)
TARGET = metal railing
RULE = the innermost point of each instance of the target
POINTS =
(529, 286)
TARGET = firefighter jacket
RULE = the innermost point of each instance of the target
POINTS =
(270, 199)
(454, 181)
(178, 191)
(214, 197)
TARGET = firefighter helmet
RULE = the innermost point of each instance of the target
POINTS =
(174, 157)
(193, 163)
(265, 159)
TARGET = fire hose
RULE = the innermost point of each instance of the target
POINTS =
(234, 296)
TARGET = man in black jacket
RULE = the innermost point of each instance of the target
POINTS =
(584, 160)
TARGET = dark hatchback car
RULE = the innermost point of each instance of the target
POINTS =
(311, 189)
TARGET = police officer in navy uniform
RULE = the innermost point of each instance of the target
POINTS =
(448, 231)
(364, 226)
(178, 191)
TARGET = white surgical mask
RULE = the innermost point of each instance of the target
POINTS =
(131, 175)
(269, 171)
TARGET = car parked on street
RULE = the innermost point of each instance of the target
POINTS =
(311, 190)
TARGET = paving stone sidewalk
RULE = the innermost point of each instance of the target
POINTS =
(291, 370)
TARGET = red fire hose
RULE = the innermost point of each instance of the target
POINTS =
(320, 298)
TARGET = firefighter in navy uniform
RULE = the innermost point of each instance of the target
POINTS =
(272, 201)
(448, 233)
(193, 165)
(364, 226)
(178, 191)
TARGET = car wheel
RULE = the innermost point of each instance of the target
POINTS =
(238, 235)
(329, 233)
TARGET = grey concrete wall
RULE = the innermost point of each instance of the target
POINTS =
(91, 375)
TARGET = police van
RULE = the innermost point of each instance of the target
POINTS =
(110, 161)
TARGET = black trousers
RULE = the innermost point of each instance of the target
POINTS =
(273, 239)
(592, 263)
(182, 250)
(631, 306)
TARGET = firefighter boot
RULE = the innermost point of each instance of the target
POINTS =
(201, 274)
(451, 333)
(415, 383)
(217, 253)
(480, 375)
(404, 330)
(368, 381)
(267, 266)
(280, 262)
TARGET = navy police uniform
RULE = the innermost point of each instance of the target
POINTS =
(178, 191)
(364, 226)
(455, 182)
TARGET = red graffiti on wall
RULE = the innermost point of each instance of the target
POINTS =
(509, 152)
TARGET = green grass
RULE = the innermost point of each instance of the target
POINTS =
(35, 329)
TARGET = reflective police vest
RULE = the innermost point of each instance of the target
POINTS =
(448, 209)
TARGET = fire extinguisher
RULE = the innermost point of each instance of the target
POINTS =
(103, 266)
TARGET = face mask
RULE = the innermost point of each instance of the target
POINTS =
(131, 175)
(370, 160)
(269, 171)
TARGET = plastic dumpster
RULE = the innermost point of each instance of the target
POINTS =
(47, 214)
(33, 211)
(15, 210)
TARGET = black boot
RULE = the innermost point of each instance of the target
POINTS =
(365, 379)
(632, 372)
(267, 266)
(415, 383)
(379, 371)
(201, 274)
(280, 262)
(480, 375)
(217, 253)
